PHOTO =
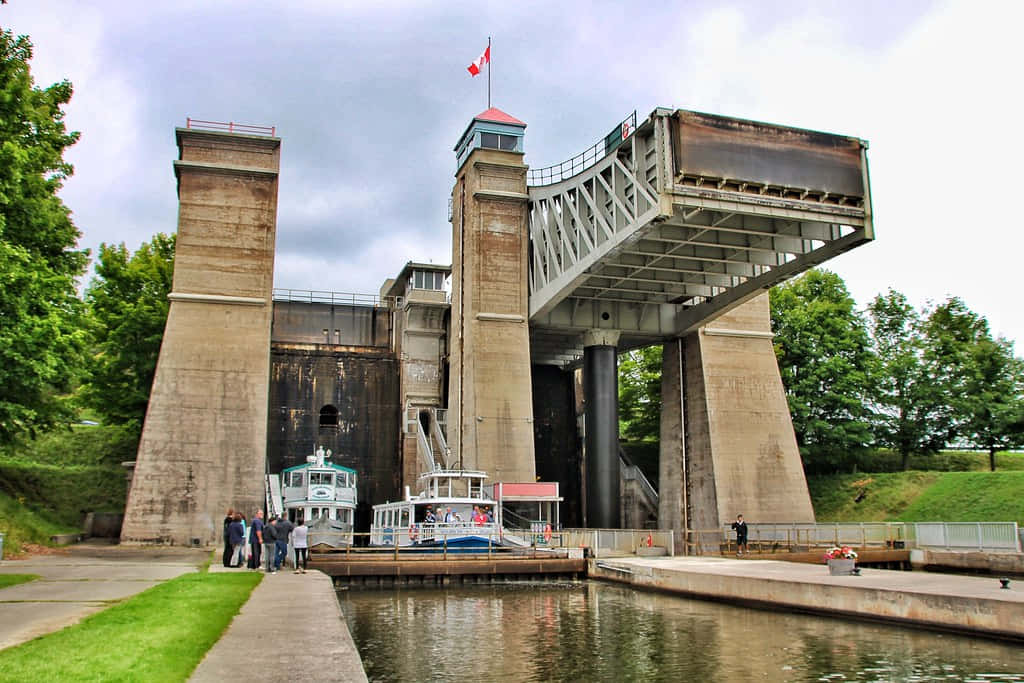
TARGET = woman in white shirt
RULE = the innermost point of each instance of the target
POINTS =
(300, 541)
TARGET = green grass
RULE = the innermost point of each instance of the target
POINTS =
(159, 635)
(919, 497)
(866, 497)
(14, 579)
(20, 524)
(970, 497)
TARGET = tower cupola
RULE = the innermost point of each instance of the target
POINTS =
(492, 129)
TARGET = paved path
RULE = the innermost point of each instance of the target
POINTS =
(963, 603)
(292, 629)
(85, 581)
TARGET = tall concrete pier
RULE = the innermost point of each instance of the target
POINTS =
(727, 441)
(204, 441)
(490, 401)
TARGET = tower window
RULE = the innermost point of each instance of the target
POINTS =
(498, 141)
(427, 279)
(328, 416)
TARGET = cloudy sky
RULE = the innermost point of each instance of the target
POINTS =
(369, 97)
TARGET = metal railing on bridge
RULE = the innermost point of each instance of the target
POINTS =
(308, 296)
(582, 161)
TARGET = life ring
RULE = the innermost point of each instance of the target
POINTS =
(413, 533)
(547, 533)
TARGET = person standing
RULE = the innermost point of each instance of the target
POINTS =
(270, 544)
(228, 518)
(256, 540)
(740, 527)
(236, 537)
(300, 541)
(284, 530)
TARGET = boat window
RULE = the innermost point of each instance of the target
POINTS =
(296, 479)
(405, 517)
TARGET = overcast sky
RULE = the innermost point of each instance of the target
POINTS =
(369, 98)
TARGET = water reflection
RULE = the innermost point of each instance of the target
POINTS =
(602, 632)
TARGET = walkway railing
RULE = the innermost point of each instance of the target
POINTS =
(307, 296)
(781, 537)
(230, 127)
(616, 541)
(581, 162)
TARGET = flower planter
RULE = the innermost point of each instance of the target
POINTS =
(841, 567)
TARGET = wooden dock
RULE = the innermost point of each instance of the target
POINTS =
(388, 568)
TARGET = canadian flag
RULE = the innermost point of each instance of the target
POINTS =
(479, 62)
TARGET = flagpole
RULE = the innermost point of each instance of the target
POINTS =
(488, 72)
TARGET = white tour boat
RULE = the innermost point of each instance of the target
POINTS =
(324, 494)
(460, 501)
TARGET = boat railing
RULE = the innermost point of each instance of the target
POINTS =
(395, 544)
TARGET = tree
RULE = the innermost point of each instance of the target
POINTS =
(128, 302)
(822, 348)
(41, 337)
(911, 409)
(993, 401)
(640, 393)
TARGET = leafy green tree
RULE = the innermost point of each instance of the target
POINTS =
(821, 344)
(911, 408)
(41, 336)
(640, 393)
(128, 302)
(993, 401)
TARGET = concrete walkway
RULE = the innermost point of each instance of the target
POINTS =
(962, 603)
(85, 581)
(291, 629)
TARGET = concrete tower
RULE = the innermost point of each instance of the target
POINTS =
(490, 402)
(204, 441)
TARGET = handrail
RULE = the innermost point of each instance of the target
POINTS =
(230, 127)
(312, 296)
(549, 175)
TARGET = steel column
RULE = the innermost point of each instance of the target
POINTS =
(601, 400)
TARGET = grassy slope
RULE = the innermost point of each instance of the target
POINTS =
(48, 484)
(158, 635)
(20, 525)
(919, 497)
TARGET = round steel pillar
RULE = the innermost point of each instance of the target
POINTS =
(601, 401)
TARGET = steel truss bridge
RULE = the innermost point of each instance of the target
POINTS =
(682, 218)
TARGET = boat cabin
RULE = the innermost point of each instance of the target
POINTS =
(319, 489)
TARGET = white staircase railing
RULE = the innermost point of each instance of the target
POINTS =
(275, 504)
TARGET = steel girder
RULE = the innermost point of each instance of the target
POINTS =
(637, 245)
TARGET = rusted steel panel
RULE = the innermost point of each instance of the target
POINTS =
(766, 154)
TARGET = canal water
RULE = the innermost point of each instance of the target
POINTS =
(593, 631)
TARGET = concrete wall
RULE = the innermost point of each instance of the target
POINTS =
(738, 453)
(204, 439)
(489, 394)
(340, 324)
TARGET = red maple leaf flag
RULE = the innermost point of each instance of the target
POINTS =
(479, 62)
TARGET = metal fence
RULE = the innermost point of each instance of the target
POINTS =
(982, 536)
(614, 541)
(230, 127)
(308, 296)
